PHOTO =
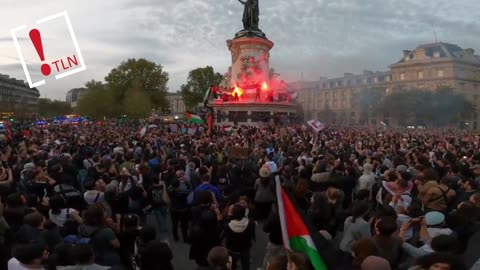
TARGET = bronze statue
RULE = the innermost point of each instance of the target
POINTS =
(250, 14)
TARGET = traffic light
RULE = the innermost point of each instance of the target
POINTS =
(12, 119)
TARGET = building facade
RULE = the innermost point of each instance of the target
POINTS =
(175, 101)
(426, 67)
(17, 98)
(74, 95)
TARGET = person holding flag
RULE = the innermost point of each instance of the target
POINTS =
(297, 237)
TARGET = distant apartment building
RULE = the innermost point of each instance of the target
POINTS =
(426, 67)
(175, 101)
(17, 97)
(74, 95)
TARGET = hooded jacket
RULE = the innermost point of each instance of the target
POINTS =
(239, 234)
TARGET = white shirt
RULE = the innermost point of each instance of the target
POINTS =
(90, 197)
(366, 181)
(14, 264)
(59, 219)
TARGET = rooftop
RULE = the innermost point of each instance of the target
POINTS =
(439, 50)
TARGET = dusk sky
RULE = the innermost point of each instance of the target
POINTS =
(314, 37)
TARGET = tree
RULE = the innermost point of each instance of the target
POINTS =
(138, 103)
(149, 77)
(439, 107)
(368, 101)
(99, 101)
(198, 82)
(327, 115)
(51, 108)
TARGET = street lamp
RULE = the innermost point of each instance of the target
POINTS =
(176, 117)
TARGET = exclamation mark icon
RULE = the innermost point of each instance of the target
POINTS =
(37, 43)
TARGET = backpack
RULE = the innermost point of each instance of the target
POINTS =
(135, 192)
(77, 239)
(70, 227)
(73, 198)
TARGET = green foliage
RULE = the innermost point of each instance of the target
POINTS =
(368, 101)
(51, 108)
(440, 107)
(137, 103)
(133, 88)
(98, 102)
(327, 115)
(148, 76)
(198, 82)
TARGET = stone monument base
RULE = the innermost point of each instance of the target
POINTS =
(253, 113)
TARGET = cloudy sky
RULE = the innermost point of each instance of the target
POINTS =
(313, 37)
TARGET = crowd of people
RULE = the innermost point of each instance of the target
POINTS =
(80, 197)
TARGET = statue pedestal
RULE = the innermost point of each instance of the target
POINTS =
(250, 60)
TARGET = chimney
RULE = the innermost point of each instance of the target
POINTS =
(469, 51)
(406, 53)
(420, 53)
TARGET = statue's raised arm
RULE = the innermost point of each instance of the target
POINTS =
(243, 2)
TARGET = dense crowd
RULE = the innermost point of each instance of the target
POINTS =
(78, 197)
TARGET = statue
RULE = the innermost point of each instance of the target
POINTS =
(250, 14)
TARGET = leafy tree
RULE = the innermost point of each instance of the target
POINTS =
(99, 101)
(199, 80)
(50, 108)
(138, 103)
(439, 107)
(327, 115)
(368, 101)
(149, 77)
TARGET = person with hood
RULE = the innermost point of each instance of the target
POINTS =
(356, 226)
(102, 238)
(180, 191)
(206, 227)
(367, 180)
(239, 234)
(264, 194)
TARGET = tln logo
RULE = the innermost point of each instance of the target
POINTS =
(56, 51)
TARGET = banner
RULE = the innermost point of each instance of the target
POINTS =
(192, 131)
(316, 125)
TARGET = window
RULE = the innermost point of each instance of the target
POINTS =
(440, 73)
(402, 76)
(420, 74)
(475, 97)
(238, 116)
(260, 116)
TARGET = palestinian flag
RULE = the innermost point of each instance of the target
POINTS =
(296, 236)
(194, 118)
(227, 129)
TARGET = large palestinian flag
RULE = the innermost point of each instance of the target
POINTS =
(194, 118)
(296, 236)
